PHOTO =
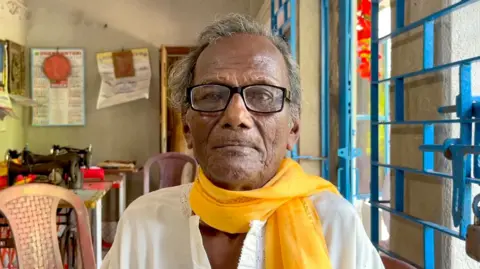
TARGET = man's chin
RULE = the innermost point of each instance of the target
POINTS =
(233, 170)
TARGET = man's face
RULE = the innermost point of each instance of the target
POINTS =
(236, 148)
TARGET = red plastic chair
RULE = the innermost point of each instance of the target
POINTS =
(31, 211)
(172, 170)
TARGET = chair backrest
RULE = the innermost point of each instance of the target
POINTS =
(171, 165)
(392, 263)
(31, 211)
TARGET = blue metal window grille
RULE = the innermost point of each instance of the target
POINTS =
(325, 89)
(284, 23)
(460, 150)
(346, 152)
(384, 93)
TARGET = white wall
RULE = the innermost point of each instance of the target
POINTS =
(13, 27)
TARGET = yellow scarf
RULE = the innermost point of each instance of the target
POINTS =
(294, 238)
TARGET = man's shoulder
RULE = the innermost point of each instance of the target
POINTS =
(348, 243)
(332, 207)
(152, 232)
(172, 199)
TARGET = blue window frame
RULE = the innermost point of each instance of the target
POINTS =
(459, 150)
(346, 151)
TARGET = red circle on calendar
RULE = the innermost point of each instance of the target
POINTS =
(57, 67)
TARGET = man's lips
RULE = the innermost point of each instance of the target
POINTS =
(235, 144)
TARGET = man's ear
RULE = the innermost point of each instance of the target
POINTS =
(188, 135)
(294, 134)
(186, 131)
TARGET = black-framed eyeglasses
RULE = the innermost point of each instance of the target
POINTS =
(260, 98)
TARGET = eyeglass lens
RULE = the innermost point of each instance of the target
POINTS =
(258, 98)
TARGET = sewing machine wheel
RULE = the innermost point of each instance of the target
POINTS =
(55, 177)
(76, 179)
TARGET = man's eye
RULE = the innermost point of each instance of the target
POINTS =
(260, 95)
(264, 96)
(212, 96)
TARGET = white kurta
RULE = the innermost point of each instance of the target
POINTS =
(158, 231)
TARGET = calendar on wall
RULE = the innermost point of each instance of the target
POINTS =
(58, 86)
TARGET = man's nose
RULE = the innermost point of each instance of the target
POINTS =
(236, 115)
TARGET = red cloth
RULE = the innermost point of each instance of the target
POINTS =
(93, 172)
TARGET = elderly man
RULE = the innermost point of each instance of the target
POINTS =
(250, 207)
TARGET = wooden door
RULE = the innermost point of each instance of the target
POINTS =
(172, 138)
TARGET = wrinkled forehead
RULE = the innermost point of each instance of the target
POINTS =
(241, 60)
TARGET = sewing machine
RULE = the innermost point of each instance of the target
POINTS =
(85, 154)
(52, 172)
(61, 167)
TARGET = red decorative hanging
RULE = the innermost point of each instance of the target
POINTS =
(57, 68)
(364, 35)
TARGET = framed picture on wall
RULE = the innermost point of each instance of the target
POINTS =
(15, 68)
(3, 58)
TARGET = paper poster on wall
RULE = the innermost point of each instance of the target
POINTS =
(15, 73)
(58, 87)
(133, 84)
(2, 61)
(5, 102)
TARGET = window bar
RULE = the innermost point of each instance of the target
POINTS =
(464, 111)
(476, 157)
(428, 247)
(399, 109)
(292, 18)
(345, 152)
(428, 139)
(374, 129)
(325, 90)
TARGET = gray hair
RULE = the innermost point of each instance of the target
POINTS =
(181, 75)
